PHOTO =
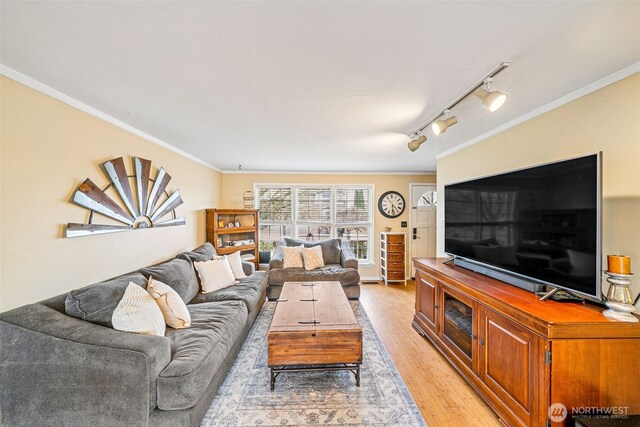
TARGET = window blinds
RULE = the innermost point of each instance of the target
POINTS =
(275, 205)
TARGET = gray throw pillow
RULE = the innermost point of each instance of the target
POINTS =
(96, 303)
(177, 273)
(204, 252)
(330, 248)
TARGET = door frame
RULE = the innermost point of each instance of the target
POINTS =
(410, 230)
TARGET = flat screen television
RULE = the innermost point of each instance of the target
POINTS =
(540, 225)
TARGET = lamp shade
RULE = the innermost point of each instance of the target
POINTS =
(440, 126)
(491, 100)
(416, 143)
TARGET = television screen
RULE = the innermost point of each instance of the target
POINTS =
(542, 223)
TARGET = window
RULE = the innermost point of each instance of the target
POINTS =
(275, 215)
(316, 212)
(353, 219)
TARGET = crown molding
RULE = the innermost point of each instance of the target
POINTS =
(53, 93)
(579, 93)
(261, 172)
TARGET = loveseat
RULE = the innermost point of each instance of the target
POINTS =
(60, 370)
(340, 264)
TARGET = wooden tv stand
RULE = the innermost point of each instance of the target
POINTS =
(522, 355)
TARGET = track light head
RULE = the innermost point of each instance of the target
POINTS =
(491, 100)
(440, 126)
(414, 144)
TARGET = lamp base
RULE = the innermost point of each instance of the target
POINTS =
(622, 316)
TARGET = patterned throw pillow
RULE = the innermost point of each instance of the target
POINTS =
(215, 274)
(235, 261)
(312, 258)
(138, 312)
(292, 257)
(174, 310)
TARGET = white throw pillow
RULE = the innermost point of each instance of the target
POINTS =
(138, 312)
(312, 257)
(235, 261)
(215, 274)
(292, 256)
(174, 310)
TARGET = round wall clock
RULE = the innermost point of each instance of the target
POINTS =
(391, 204)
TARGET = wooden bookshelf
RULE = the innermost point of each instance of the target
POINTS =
(225, 238)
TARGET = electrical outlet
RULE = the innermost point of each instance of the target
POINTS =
(403, 224)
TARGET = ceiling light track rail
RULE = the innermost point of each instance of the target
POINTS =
(418, 138)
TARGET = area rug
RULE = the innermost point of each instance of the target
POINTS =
(312, 398)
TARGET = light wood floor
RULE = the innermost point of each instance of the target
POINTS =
(443, 397)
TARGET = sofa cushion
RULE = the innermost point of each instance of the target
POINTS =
(199, 351)
(249, 290)
(177, 273)
(96, 303)
(312, 257)
(203, 252)
(330, 248)
(138, 312)
(214, 274)
(235, 262)
(330, 272)
(174, 310)
(292, 257)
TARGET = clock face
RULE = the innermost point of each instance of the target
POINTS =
(391, 204)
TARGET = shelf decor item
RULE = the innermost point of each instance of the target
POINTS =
(234, 230)
(248, 199)
(146, 209)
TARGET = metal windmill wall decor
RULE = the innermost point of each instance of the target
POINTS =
(143, 211)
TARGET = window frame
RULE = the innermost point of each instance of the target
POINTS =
(333, 225)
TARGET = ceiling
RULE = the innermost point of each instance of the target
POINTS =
(314, 86)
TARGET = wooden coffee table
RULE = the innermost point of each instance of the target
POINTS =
(314, 328)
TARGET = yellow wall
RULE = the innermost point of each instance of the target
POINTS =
(607, 120)
(234, 184)
(47, 149)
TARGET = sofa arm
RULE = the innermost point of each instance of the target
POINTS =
(58, 370)
(347, 258)
(277, 257)
(248, 267)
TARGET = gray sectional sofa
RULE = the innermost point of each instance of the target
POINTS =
(56, 369)
(341, 265)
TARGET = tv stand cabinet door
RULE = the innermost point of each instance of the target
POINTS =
(427, 300)
(602, 373)
(510, 357)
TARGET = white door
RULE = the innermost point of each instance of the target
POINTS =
(422, 232)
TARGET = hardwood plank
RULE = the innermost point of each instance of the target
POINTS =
(442, 395)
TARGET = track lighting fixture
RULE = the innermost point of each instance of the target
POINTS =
(440, 126)
(417, 140)
(492, 100)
